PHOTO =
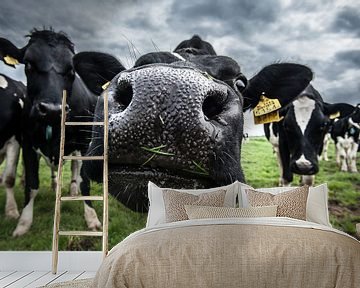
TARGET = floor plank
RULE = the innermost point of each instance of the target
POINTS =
(28, 279)
(4, 274)
(34, 279)
(47, 278)
(87, 274)
(13, 277)
(68, 276)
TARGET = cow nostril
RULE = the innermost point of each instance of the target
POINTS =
(124, 93)
(214, 104)
(42, 108)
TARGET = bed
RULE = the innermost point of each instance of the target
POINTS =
(233, 252)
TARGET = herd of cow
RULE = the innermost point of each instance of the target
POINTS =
(175, 118)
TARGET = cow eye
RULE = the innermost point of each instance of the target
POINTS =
(70, 73)
(29, 66)
(324, 126)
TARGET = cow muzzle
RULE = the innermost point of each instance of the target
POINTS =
(303, 166)
(48, 112)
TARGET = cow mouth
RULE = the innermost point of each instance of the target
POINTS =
(309, 171)
(188, 178)
(129, 183)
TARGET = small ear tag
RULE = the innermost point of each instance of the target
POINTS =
(266, 106)
(106, 85)
(335, 115)
(10, 60)
(48, 133)
(268, 118)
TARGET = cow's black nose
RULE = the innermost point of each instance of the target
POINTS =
(49, 111)
(303, 166)
(124, 93)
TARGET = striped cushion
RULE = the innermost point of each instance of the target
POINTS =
(175, 201)
(290, 204)
(201, 212)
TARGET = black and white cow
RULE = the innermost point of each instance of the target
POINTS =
(345, 133)
(48, 61)
(347, 109)
(177, 118)
(298, 138)
(12, 97)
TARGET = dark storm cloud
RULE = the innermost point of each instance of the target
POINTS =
(347, 20)
(211, 17)
(351, 58)
(82, 20)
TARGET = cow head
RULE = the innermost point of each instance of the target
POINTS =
(48, 61)
(354, 118)
(306, 121)
(48, 67)
(180, 123)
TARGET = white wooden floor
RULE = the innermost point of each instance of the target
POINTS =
(32, 279)
(33, 269)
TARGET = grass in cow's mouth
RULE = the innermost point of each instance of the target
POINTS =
(155, 151)
(199, 170)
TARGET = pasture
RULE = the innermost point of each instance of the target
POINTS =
(260, 168)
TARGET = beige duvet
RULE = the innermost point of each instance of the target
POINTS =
(258, 252)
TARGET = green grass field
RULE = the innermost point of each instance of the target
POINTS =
(260, 168)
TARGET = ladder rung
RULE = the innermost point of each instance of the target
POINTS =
(84, 123)
(83, 157)
(74, 198)
(80, 233)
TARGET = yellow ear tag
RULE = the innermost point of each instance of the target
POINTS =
(106, 85)
(268, 118)
(266, 105)
(10, 60)
(335, 115)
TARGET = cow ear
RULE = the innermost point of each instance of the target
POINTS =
(96, 69)
(10, 54)
(282, 81)
(338, 110)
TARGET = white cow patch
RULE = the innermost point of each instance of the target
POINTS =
(303, 108)
(26, 217)
(302, 162)
(3, 82)
(346, 150)
(91, 218)
(11, 150)
(178, 56)
(307, 180)
(351, 122)
(324, 154)
(21, 103)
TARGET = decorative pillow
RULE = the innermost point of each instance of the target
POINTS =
(156, 214)
(175, 201)
(290, 204)
(201, 212)
(316, 206)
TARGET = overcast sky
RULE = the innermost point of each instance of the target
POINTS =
(323, 34)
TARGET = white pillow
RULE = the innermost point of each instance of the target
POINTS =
(316, 206)
(156, 214)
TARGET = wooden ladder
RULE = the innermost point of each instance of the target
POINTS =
(57, 232)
